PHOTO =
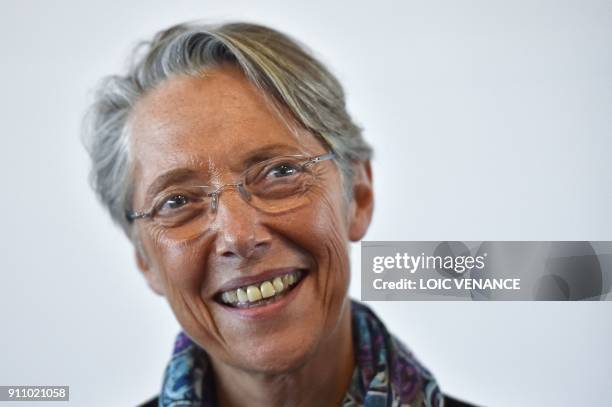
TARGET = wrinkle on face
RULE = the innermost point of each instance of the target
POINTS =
(335, 249)
(211, 137)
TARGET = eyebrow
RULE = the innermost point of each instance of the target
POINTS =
(265, 152)
(183, 174)
(169, 178)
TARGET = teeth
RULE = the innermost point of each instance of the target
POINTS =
(278, 284)
(253, 293)
(229, 297)
(242, 295)
(266, 289)
(232, 296)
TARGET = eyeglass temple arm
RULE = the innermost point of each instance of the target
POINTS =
(132, 216)
(323, 157)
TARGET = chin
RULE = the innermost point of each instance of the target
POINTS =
(277, 355)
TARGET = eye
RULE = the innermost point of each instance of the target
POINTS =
(283, 170)
(175, 202)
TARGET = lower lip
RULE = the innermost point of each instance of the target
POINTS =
(268, 310)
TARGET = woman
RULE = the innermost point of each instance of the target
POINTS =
(227, 156)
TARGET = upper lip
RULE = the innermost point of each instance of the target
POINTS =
(256, 278)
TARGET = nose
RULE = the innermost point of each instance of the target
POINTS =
(240, 234)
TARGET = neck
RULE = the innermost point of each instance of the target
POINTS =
(322, 380)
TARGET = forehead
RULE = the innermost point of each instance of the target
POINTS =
(191, 121)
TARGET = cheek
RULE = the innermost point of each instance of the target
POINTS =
(330, 248)
(182, 269)
(333, 235)
(320, 229)
(180, 263)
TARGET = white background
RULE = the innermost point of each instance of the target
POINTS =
(491, 121)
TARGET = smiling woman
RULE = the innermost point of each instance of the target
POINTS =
(227, 156)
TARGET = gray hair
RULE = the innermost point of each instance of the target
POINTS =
(282, 68)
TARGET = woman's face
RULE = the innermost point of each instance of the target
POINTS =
(195, 131)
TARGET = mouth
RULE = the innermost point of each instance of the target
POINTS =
(262, 292)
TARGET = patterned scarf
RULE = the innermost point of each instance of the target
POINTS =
(386, 372)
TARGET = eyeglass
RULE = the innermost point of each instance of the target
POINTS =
(275, 185)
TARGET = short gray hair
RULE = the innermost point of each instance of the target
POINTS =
(278, 65)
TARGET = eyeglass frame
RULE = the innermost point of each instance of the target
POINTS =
(132, 216)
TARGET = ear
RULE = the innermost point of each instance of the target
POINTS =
(149, 272)
(362, 200)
